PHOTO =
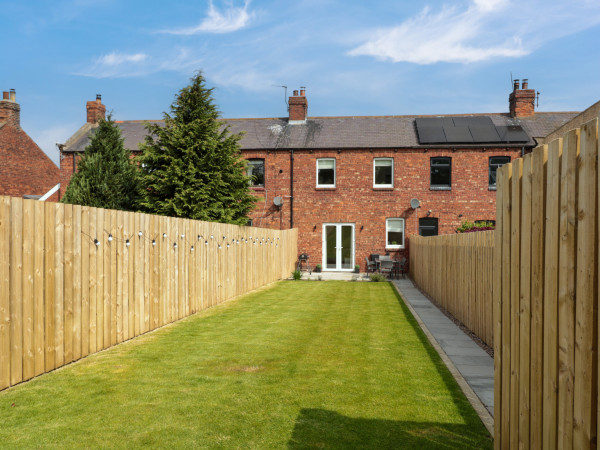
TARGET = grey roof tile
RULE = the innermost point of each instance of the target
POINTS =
(336, 132)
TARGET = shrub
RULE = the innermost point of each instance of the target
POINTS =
(376, 277)
(296, 274)
(469, 227)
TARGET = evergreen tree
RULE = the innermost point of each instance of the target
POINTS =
(192, 167)
(105, 177)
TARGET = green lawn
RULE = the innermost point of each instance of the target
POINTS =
(298, 365)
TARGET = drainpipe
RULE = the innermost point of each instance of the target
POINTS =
(291, 189)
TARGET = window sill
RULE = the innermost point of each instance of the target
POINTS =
(257, 188)
(393, 248)
(325, 188)
(491, 188)
(440, 188)
(383, 188)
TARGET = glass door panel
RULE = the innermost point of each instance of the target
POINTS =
(330, 239)
(346, 250)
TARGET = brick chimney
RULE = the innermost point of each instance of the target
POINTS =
(10, 110)
(298, 106)
(95, 110)
(522, 101)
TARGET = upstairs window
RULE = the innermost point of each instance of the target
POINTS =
(394, 233)
(441, 170)
(383, 173)
(326, 173)
(495, 162)
(256, 172)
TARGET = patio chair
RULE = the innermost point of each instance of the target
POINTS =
(371, 266)
(386, 266)
(402, 266)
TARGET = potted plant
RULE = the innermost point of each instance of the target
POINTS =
(318, 268)
(357, 269)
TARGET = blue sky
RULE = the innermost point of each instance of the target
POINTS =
(354, 57)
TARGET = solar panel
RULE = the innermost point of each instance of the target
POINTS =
(459, 134)
(474, 121)
(467, 130)
(512, 133)
(431, 135)
(484, 134)
(429, 122)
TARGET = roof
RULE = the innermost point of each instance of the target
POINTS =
(337, 132)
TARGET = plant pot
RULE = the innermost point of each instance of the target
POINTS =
(357, 270)
(317, 270)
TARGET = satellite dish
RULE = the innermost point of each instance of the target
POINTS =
(415, 203)
(278, 201)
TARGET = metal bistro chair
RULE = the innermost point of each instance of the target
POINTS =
(402, 267)
(303, 258)
(371, 266)
(386, 266)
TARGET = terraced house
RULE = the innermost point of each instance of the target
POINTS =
(354, 186)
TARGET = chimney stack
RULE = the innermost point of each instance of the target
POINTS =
(10, 110)
(95, 110)
(522, 101)
(298, 106)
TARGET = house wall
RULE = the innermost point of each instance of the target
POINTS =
(355, 200)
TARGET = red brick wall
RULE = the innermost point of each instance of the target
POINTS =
(354, 200)
(24, 167)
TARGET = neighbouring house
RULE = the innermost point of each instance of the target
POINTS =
(25, 170)
(356, 186)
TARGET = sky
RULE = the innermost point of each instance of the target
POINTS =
(355, 57)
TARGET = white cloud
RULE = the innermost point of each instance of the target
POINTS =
(450, 35)
(230, 19)
(115, 59)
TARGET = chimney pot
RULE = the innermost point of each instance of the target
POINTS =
(302, 91)
(13, 95)
(295, 93)
(5, 95)
(525, 84)
(516, 84)
(98, 97)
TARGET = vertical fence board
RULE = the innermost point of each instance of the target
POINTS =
(85, 281)
(5, 349)
(77, 299)
(538, 189)
(38, 289)
(28, 286)
(68, 284)
(550, 313)
(16, 289)
(584, 414)
(566, 293)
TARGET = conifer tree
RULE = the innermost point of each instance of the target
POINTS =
(105, 177)
(192, 167)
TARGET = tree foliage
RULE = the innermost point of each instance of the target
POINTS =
(105, 177)
(192, 167)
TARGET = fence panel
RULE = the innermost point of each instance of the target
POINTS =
(75, 280)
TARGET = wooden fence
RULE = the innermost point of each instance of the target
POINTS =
(457, 271)
(546, 296)
(75, 280)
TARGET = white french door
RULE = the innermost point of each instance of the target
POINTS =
(338, 246)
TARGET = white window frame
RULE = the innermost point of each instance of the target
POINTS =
(334, 173)
(397, 246)
(375, 185)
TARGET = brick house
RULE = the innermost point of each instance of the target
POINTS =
(25, 170)
(354, 186)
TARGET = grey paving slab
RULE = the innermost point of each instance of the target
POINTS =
(474, 365)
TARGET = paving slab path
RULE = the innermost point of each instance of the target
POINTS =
(471, 366)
